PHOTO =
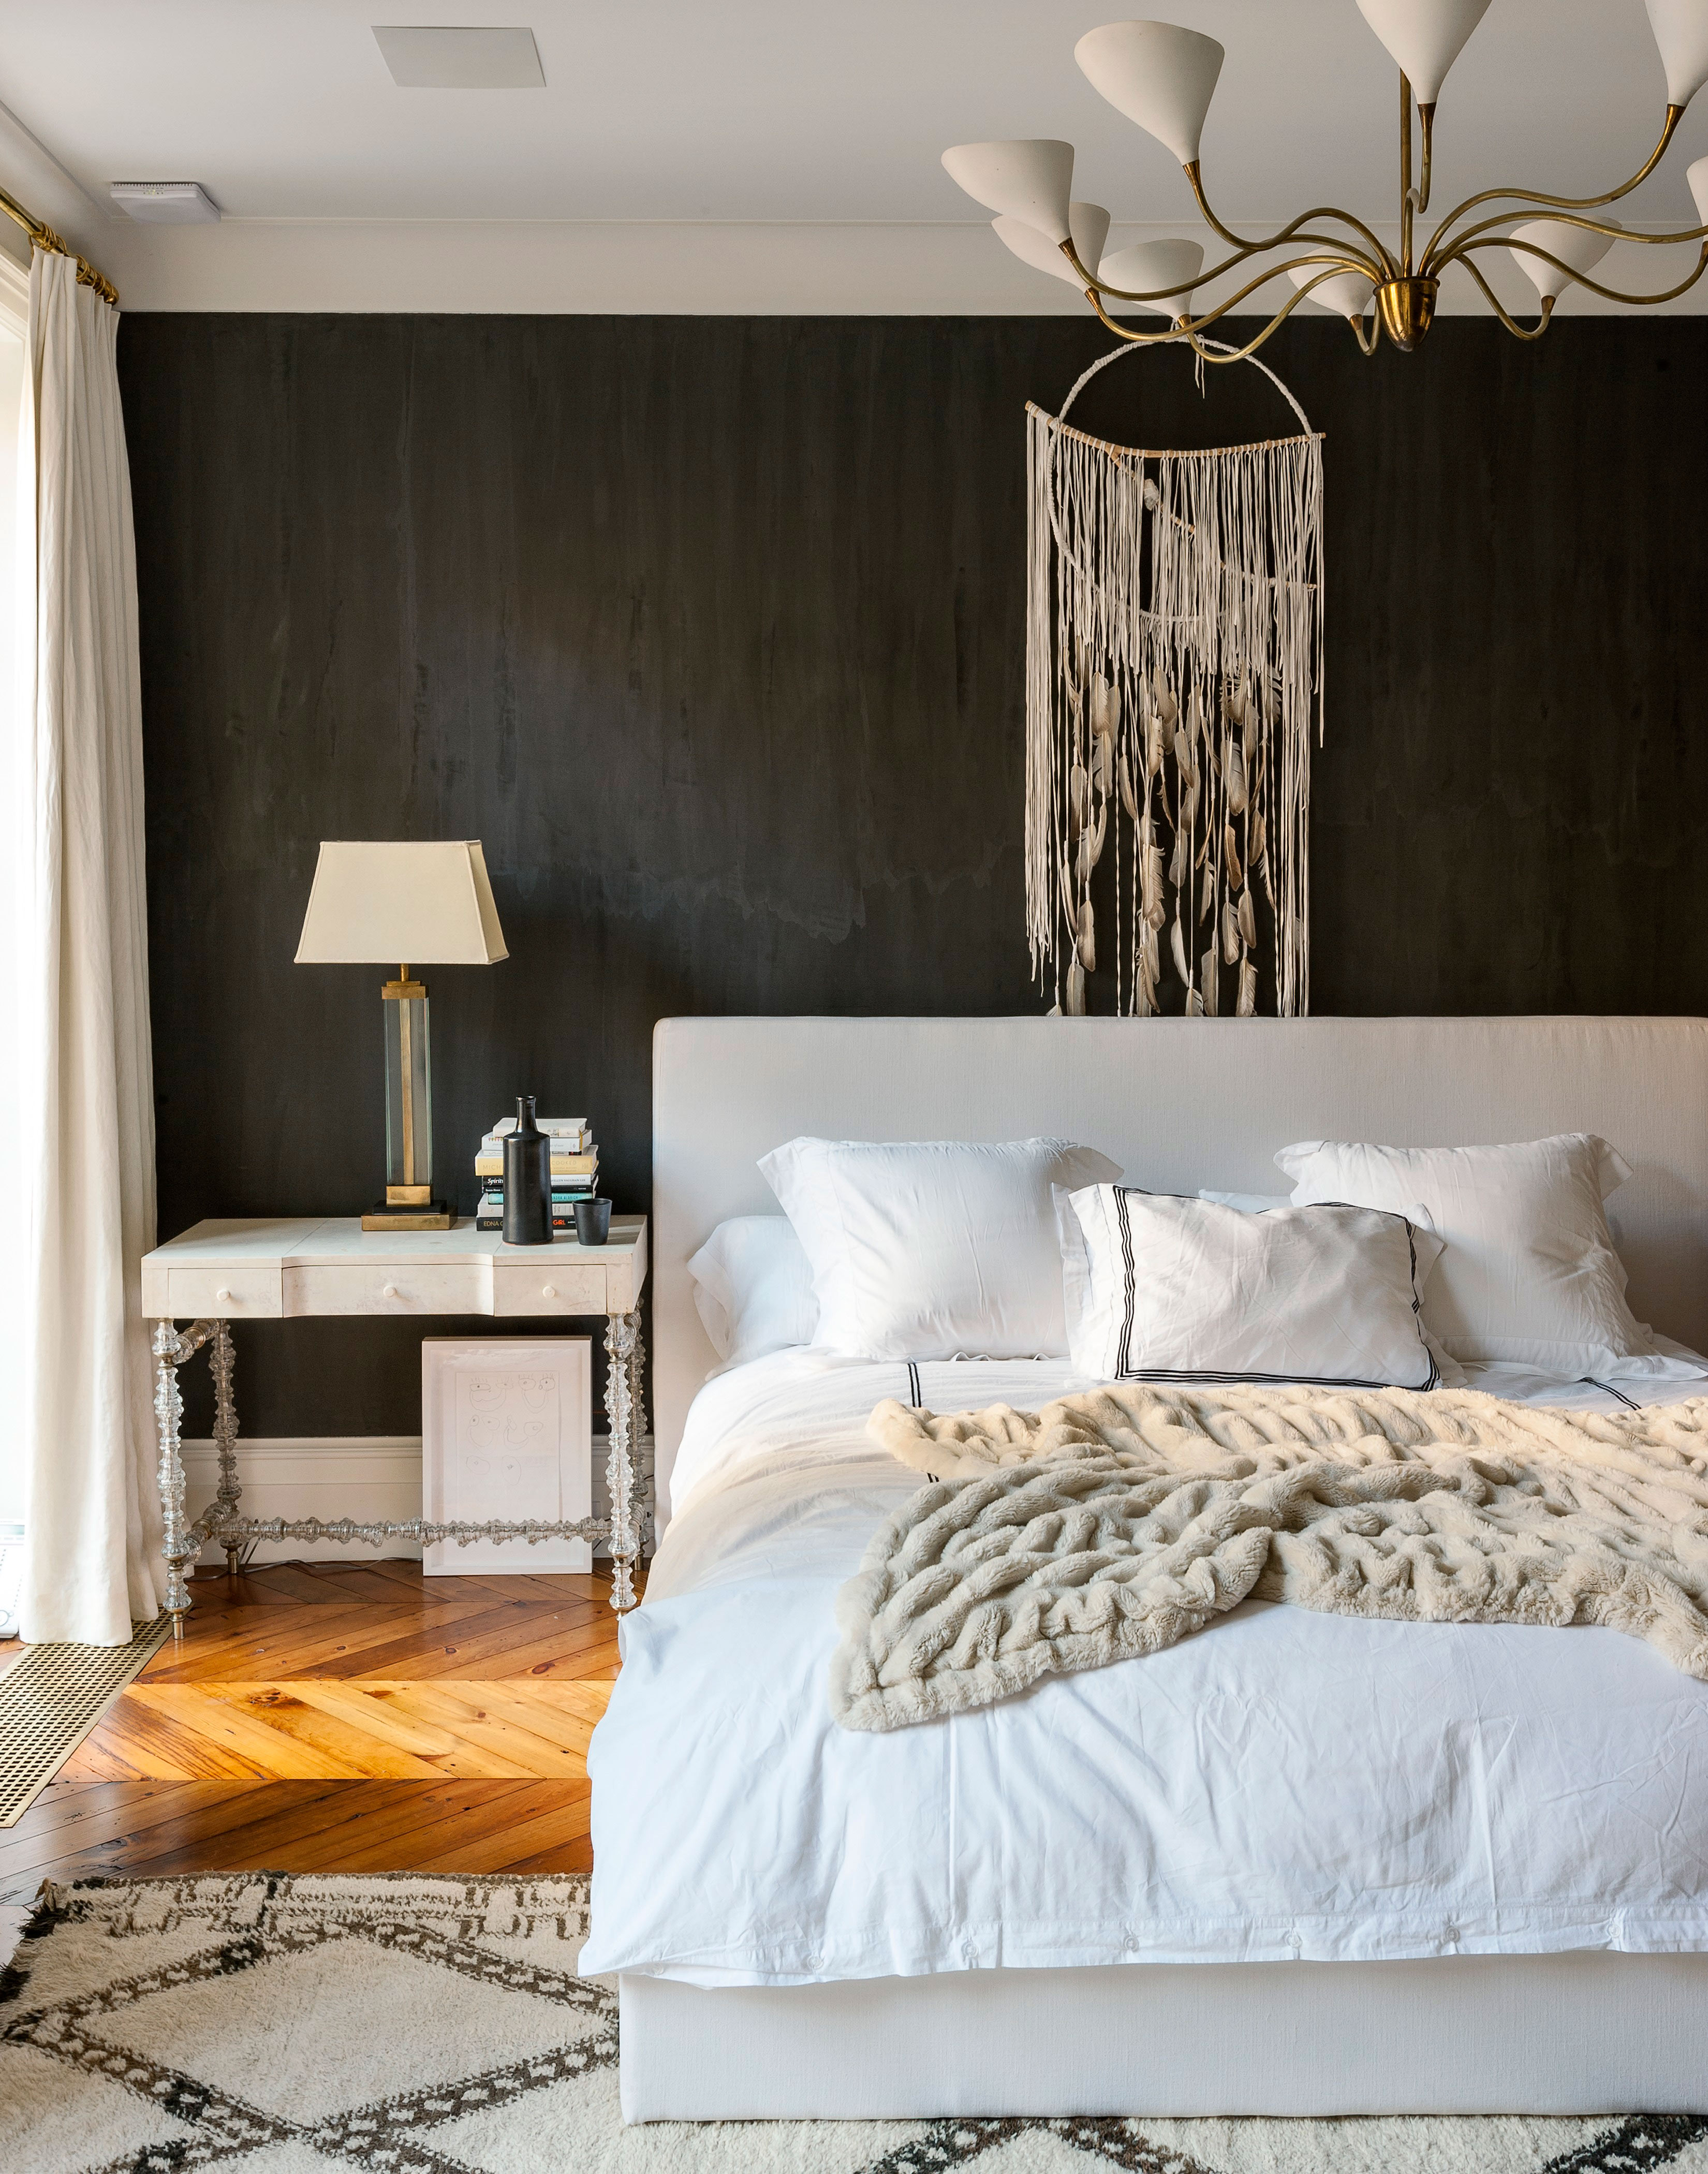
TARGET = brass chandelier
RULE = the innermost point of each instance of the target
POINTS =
(1163, 78)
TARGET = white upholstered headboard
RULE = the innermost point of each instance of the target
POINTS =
(1180, 1103)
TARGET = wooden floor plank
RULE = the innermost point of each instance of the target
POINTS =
(65, 1805)
(372, 1706)
(134, 1742)
(509, 1749)
(249, 1735)
(548, 1641)
(355, 1838)
(295, 1579)
(403, 1822)
(353, 1743)
(317, 1641)
(97, 1813)
(504, 1847)
(264, 1820)
(536, 1711)
(475, 1641)
(476, 1834)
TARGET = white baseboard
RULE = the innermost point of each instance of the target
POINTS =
(367, 1477)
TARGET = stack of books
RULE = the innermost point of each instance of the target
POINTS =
(575, 1170)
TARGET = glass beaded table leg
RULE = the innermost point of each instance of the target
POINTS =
(168, 1412)
(639, 1516)
(222, 1361)
(622, 1341)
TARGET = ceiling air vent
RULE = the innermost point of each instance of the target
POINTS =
(166, 203)
(442, 57)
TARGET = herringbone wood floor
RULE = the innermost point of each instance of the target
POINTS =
(329, 1717)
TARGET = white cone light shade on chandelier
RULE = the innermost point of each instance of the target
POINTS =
(1697, 176)
(1346, 293)
(1424, 36)
(1681, 32)
(1160, 76)
(1575, 245)
(1153, 267)
(1030, 180)
(1090, 224)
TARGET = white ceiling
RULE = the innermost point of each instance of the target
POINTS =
(768, 154)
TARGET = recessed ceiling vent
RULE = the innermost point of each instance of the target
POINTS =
(442, 57)
(164, 203)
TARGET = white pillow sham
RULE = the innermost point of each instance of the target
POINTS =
(933, 1249)
(753, 1289)
(1530, 1274)
(1179, 1290)
(1429, 1250)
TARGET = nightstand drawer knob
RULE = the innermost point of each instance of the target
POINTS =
(223, 1295)
(389, 1291)
(548, 1291)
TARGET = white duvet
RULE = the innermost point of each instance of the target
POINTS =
(1285, 1784)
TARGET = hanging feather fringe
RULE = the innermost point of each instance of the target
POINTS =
(1173, 660)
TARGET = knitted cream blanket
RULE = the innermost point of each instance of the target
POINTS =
(1116, 1523)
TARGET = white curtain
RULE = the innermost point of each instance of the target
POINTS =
(86, 1148)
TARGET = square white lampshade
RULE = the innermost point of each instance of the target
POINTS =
(419, 903)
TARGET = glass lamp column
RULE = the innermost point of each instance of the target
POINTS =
(408, 1094)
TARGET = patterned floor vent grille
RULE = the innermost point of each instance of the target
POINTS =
(50, 1699)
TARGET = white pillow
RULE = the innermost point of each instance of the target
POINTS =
(1530, 1274)
(753, 1289)
(933, 1249)
(1193, 1291)
(1429, 1250)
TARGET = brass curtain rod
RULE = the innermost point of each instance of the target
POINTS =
(44, 237)
(1149, 453)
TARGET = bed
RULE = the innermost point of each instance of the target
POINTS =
(1297, 1864)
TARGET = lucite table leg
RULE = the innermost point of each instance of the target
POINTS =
(222, 1362)
(622, 1409)
(176, 1545)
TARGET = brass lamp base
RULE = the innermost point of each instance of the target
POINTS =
(433, 1215)
(1408, 308)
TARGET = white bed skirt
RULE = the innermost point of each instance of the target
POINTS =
(1582, 2033)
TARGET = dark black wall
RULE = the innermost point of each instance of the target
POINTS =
(712, 630)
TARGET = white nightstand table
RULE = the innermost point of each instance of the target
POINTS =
(217, 1272)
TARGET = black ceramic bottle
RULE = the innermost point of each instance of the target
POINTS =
(528, 1180)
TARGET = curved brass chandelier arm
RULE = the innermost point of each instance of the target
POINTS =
(1187, 329)
(1582, 279)
(1472, 238)
(1382, 256)
(1127, 332)
(1412, 200)
(1263, 279)
(1525, 198)
(1504, 315)
(1190, 330)
(1426, 124)
(1345, 258)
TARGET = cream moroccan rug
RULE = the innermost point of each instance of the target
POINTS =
(408, 2026)
(1112, 1524)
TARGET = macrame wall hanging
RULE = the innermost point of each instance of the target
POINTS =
(1174, 663)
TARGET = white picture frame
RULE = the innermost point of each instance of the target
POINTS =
(507, 1432)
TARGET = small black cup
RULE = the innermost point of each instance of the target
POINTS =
(592, 1221)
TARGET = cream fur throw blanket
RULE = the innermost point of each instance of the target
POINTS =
(1115, 1523)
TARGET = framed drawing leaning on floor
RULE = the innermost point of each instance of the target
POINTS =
(507, 1433)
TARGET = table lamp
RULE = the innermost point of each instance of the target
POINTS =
(424, 904)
